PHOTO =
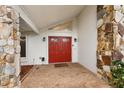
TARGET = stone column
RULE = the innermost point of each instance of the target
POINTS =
(110, 28)
(9, 47)
(105, 15)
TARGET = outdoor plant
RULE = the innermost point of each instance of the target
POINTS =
(117, 72)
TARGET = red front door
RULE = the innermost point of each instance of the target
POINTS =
(59, 49)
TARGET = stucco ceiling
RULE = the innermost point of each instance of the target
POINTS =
(45, 15)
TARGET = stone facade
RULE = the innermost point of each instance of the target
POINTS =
(110, 28)
(9, 47)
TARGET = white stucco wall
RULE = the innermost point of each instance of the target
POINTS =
(37, 48)
(87, 35)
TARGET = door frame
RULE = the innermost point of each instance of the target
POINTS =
(48, 48)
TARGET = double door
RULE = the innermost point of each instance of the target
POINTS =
(60, 49)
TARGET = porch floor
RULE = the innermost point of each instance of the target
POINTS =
(72, 76)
